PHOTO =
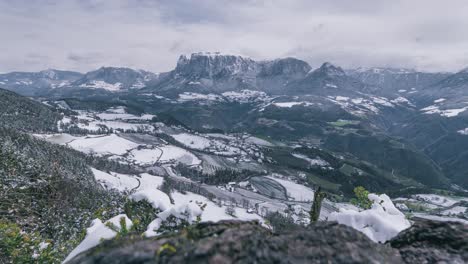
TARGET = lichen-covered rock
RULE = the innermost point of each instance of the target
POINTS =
(433, 242)
(245, 242)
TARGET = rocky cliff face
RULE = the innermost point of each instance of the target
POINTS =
(207, 72)
(212, 65)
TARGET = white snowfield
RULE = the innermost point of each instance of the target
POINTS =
(145, 156)
(188, 207)
(380, 223)
(98, 231)
(187, 96)
(296, 191)
(124, 182)
(125, 149)
(214, 145)
(95, 84)
(401, 100)
(163, 154)
(440, 100)
(96, 125)
(291, 104)
(434, 109)
(358, 106)
(171, 153)
(192, 141)
(245, 96)
(110, 144)
(463, 131)
(115, 118)
(123, 116)
(56, 138)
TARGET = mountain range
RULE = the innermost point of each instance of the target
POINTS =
(392, 118)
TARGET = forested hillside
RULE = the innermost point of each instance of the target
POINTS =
(46, 190)
(23, 114)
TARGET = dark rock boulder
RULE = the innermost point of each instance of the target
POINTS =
(245, 242)
(433, 242)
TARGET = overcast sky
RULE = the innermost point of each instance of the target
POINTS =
(81, 35)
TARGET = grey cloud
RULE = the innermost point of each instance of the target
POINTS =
(151, 34)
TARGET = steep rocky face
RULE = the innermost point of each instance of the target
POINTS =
(329, 70)
(288, 66)
(213, 65)
(245, 242)
(275, 75)
(328, 80)
(217, 73)
(455, 80)
(433, 242)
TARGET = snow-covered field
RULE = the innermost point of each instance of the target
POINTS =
(187, 96)
(103, 85)
(192, 141)
(125, 182)
(110, 144)
(179, 154)
(296, 191)
(290, 104)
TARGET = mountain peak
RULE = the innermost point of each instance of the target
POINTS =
(331, 70)
(465, 70)
(288, 66)
(49, 73)
(208, 64)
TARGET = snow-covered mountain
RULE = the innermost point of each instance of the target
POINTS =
(115, 79)
(214, 65)
(50, 82)
(36, 83)
(215, 72)
(400, 80)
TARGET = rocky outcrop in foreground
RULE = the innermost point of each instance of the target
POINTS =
(248, 242)
(433, 242)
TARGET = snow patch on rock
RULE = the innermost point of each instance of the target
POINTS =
(380, 223)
